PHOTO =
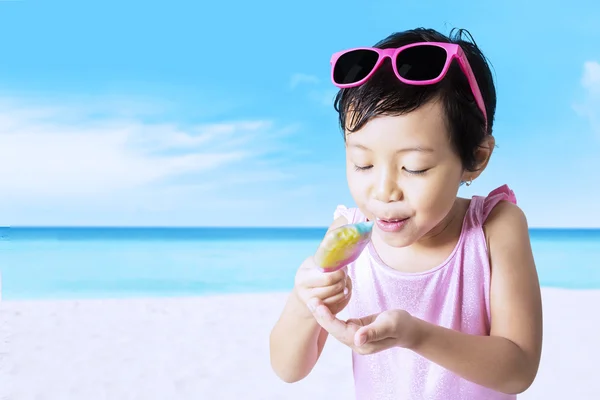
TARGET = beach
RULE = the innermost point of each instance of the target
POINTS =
(216, 347)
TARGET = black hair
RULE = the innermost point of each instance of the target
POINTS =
(384, 94)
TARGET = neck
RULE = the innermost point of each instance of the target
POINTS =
(448, 229)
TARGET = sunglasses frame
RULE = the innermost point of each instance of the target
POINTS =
(453, 52)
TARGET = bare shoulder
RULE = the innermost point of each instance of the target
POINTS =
(506, 218)
(507, 235)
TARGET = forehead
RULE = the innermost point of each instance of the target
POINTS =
(424, 127)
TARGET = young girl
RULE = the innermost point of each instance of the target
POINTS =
(445, 300)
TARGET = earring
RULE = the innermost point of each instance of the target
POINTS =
(468, 183)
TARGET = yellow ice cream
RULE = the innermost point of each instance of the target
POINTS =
(343, 245)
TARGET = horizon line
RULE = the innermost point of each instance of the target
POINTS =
(228, 227)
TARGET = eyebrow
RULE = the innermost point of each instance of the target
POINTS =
(404, 150)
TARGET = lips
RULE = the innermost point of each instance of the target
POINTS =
(392, 219)
(391, 224)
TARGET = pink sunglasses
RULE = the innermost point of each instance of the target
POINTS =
(423, 63)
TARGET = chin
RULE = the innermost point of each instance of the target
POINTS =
(395, 239)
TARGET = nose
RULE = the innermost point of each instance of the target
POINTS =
(387, 189)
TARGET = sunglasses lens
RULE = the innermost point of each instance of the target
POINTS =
(421, 63)
(354, 66)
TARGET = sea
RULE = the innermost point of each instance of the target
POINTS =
(80, 262)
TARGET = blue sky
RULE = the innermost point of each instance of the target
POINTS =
(197, 113)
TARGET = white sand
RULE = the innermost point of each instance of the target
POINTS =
(217, 348)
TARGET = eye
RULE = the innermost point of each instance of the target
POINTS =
(416, 172)
(362, 168)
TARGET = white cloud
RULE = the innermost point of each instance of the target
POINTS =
(298, 79)
(591, 77)
(590, 107)
(94, 163)
(62, 152)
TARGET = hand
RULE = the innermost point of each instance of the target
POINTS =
(333, 289)
(371, 334)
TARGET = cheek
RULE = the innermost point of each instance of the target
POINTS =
(358, 186)
(436, 198)
(355, 184)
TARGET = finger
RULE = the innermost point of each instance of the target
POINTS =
(340, 296)
(328, 291)
(334, 299)
(376, 347)
(376, 331)
(330, 323)
(316, 279)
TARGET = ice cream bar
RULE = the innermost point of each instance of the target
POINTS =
(342, 246)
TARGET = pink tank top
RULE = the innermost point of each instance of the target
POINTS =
(454, 294)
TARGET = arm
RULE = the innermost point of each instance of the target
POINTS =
(507, 360)
(297, 340)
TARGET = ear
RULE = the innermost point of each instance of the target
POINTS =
(483, 154)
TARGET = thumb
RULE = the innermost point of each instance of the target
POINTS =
(371, 333)
(314, 303)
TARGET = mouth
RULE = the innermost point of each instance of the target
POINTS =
(391, 219)
(391, 224)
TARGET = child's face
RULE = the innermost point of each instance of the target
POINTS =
(388, 147)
